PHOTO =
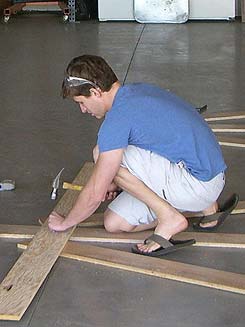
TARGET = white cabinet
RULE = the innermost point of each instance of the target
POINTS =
(199, 9)
(212, 9)
(116, 10)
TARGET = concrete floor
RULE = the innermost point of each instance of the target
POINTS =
(41, 133)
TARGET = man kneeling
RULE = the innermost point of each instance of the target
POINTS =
(153, 146)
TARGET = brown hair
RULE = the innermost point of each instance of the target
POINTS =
(92, 68)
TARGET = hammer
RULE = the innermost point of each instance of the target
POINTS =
(69, 186)
(66, 186)
(55, 186)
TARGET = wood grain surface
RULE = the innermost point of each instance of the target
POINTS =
(227, 128)
(243, 10)
(163, 268)
(202, 239)
(225, 115)
(27, 275)
(88, 234)
(232, 141)
(96, 220)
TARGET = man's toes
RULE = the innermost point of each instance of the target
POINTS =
(152, 246)
(210, 224)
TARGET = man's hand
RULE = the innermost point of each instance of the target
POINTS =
(112, 192)
(111, 196)
(56, 222)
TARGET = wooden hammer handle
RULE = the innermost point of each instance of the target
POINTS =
(69, 186)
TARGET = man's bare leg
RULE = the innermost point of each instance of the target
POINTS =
(210, 211)
(115, 224)
(207, 212)
(169, 220)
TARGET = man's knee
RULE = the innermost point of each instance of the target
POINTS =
(96, 153)
(115, 224)
(110, 224)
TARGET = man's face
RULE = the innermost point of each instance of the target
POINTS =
(93, 104)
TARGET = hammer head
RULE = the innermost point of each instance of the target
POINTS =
(55, 186)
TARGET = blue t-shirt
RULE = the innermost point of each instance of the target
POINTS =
(157, 120)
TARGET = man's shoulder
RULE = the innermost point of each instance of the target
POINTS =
(131, 94)
(140, 87)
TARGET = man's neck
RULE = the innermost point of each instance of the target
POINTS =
(110, 95)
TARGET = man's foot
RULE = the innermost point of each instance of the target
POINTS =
(211, 222)
(166, 246)
(176, 223)
(208, 212)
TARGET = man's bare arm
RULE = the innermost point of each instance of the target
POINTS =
(93, 193)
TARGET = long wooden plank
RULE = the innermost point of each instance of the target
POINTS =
(240, 208)
(225, 115)
(232, 141)
(243, 11)
(228, 128)
(18, 231)
(100, 235)
(96, 220)
(25, 278)
(202, 239)
(163, 268)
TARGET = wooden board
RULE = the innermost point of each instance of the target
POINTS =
(96, 220)
(27, 275)
(232, 141)
(243, 10)
(225, 115)
(87, 234)
(202, 239)
(228, 128)
(163, 268)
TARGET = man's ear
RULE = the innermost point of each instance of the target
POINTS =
(96, 91)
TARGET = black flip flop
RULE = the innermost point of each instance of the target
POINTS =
(166, 246)
(220, 216)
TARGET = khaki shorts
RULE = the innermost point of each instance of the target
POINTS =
(172, 182)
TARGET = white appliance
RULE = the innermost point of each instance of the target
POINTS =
(161, 11)
(115, 10)
(199, 9)
(212, 9)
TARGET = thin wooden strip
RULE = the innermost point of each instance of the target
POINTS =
(27, 275)
(96, 220)
(182, 272)
(225, 115)
(101, 235)
(240, 209)
(243, 10)
(18, 231)
(202, 239)
(227, 128)
(231, 141)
